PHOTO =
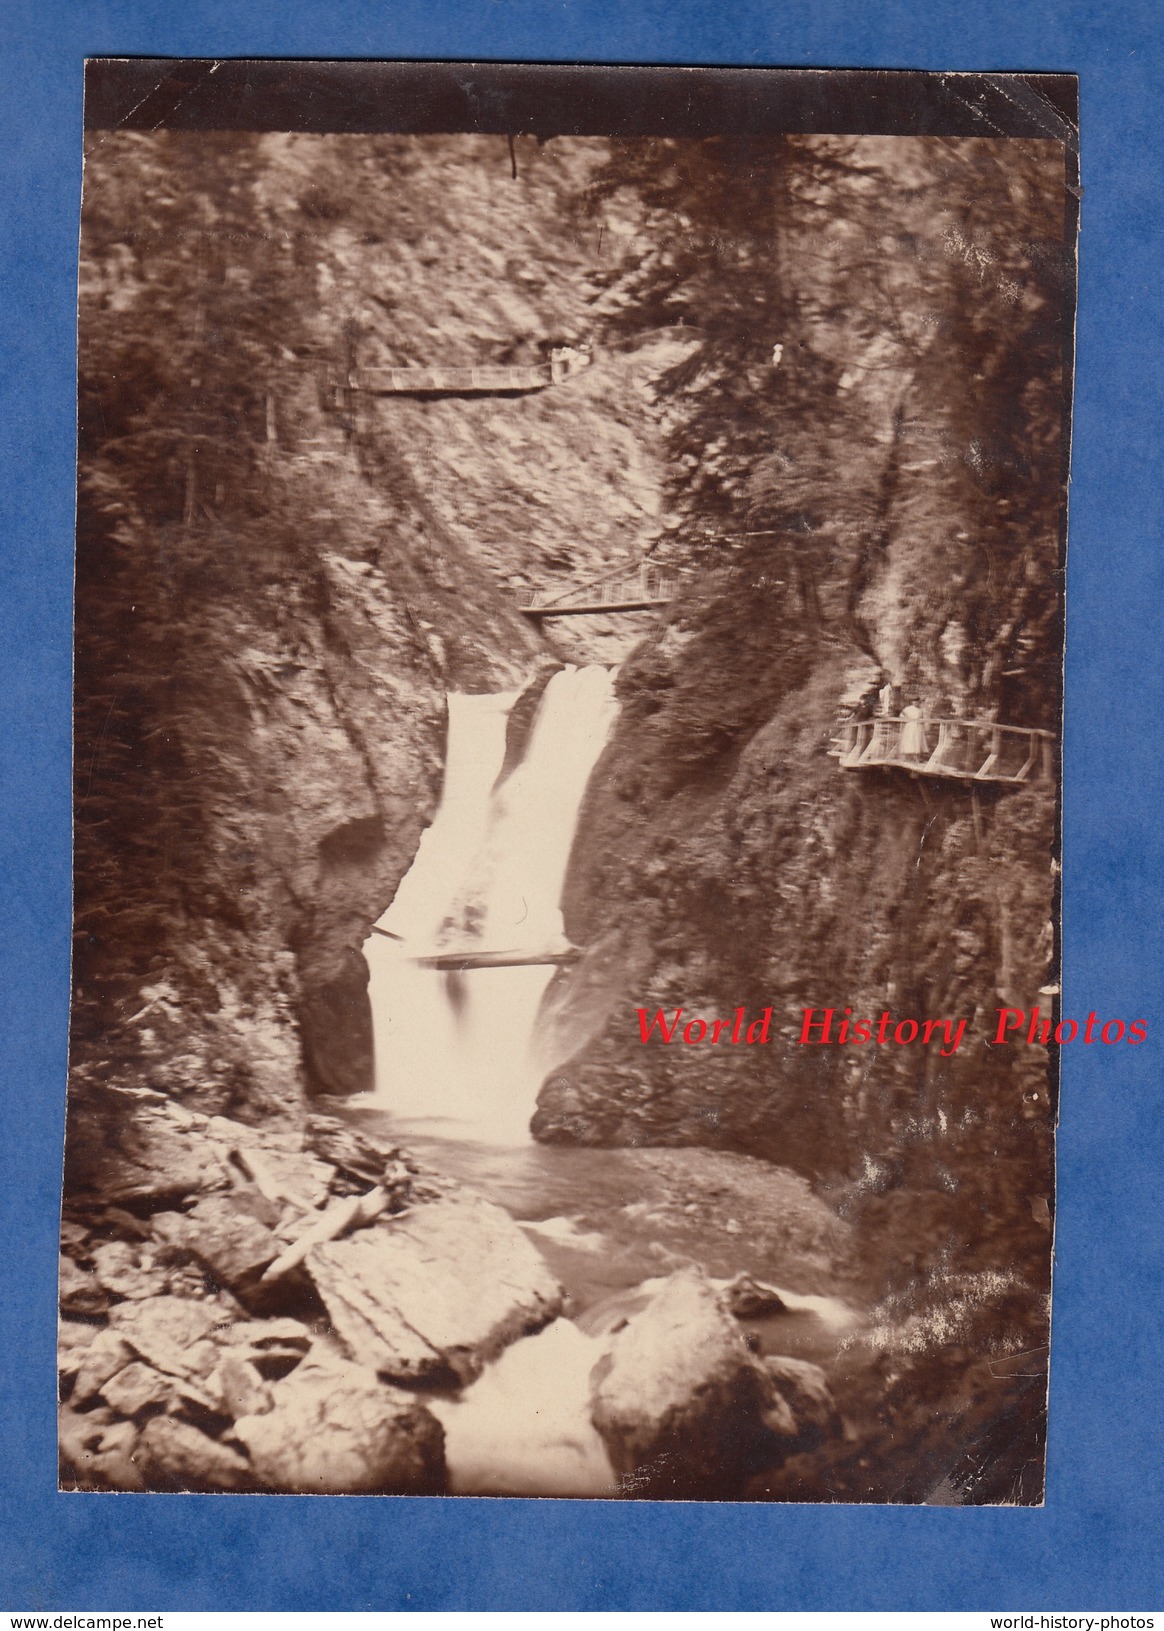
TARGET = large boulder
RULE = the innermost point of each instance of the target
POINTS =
(805, 1387)
(88, 1368)
(128, 1270)
(173, 1334)
(683, 1406)
(176, 1456)
(336, 1429)
(134, 1148)
(139, 1390)
(97, 1451)
(237, 1387)
(438, 1291)
(79, 1291)
(234, 1246)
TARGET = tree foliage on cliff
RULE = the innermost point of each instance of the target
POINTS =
(885, 493)
(868, 428)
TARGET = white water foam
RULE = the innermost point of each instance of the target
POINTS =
(457, 1050)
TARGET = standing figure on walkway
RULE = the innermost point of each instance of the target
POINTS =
(866, 705)
(913, 736)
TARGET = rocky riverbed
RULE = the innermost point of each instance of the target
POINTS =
(296, 1311)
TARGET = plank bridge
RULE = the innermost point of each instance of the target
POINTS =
(976, 750)
(485, 379)
(460, 959)
(646, 587)
(481, 957)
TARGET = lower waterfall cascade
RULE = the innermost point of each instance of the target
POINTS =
(458, 1048)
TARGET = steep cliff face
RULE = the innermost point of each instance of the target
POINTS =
(882, 507)
(286, 756)
(278, 581)
(788, 883)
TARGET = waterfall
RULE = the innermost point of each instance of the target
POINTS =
(458, 1049)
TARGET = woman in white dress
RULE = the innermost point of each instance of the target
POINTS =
(913, 737)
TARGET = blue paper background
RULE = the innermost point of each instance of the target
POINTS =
(1097, 1543)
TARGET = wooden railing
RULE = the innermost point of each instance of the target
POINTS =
(978, 750)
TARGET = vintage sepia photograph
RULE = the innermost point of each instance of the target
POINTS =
(568, 675)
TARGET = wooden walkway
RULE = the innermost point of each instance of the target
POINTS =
(487, 379)
(976, 750)
(620, 591)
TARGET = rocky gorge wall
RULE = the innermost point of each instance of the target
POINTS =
(885, 505)
(787, 883)
(278, 584)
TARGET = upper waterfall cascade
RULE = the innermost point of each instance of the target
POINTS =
(460, 1047)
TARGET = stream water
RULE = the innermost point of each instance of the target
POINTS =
(460, 1057)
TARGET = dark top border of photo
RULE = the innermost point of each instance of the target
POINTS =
(160, 93)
